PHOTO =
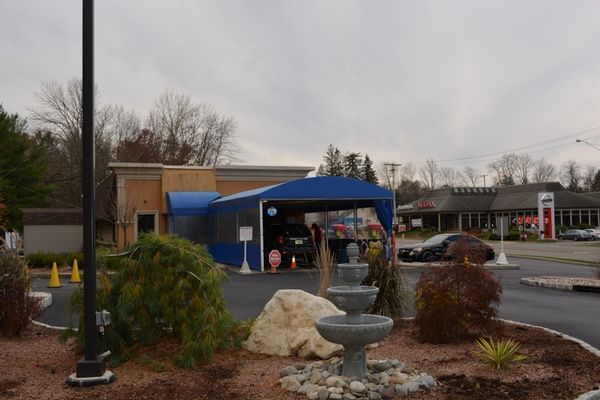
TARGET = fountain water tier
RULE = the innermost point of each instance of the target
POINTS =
(353, 330)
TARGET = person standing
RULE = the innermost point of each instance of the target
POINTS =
(317, 235)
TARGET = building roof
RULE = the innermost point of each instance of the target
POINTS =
(189, 203)
(317, 188)
(502, 198)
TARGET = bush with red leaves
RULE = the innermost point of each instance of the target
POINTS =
(456, 301)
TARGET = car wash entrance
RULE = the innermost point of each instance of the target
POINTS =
(282, 217)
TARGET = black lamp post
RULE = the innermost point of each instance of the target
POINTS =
(90, 369)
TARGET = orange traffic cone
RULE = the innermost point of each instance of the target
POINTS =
(54, 281)
(293, 265)
(75, 273)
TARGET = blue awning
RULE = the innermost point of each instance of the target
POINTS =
(189, 203)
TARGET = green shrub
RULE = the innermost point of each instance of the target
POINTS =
(166, 287)
(499, 355)
(45, 260)
(394, 293)
(17, 307)
(513, 235)
(456, 301)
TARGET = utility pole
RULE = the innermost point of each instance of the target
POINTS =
(483, 175)
(393, 167)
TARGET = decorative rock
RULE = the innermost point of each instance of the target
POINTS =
(373, 396)
(287, 371)
(323, 394)
(357, 387)
(376, 386)
(411, 386)
(315, 376)
(331, 381)
(302, 377)
(299, 366)
(312, 389)
(428, 380)
(286, 326)
(290, 383)
(382, 366)
(398, 379)
(388, 393)
(401, 390)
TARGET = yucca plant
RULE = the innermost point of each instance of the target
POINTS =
(500, 354)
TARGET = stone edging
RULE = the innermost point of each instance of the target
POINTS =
(591, 395)
(45, 299)
(553, 283)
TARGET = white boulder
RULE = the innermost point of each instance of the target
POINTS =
(286, 326)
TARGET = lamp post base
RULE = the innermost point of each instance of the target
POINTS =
(106, 377)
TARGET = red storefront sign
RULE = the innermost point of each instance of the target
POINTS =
(425, 204)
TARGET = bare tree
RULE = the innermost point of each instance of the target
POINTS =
(408, 172)
(523, 163)
(570, 174)
(470, 176)
(504, 169)
(59, 115)
(449, 176)
(119, 210)
(543, 171)
(429, 173)
(190, 133)
(588, 178)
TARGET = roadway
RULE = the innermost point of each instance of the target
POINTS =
(574, 313)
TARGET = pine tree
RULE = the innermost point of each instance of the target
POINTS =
(595, 187)
(368, 173)
(334, 162)
(21, 170)
(353, 165)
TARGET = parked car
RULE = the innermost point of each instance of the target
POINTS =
(290, 240)
(442, 246)
(575, 234)
(594, 233)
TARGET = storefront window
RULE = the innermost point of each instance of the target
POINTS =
(575, 217)
(594, 218)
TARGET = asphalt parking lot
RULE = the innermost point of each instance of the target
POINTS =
(574, 313)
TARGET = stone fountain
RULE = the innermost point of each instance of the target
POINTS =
(354, 330)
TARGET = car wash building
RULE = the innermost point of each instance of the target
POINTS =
(287, 202)
(541, 207)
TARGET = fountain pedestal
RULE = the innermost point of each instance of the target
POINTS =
(353, 330)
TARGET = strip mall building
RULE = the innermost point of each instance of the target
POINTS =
(464, 208)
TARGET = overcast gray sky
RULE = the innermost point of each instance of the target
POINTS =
(398, 80)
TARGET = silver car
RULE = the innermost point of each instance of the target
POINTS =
(594, 233)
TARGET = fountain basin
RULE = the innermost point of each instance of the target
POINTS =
(352, 274)
(335, 329)
(352, 298)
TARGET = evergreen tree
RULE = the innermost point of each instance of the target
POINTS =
(368, 173)
(21, 170)
(334, 162)
(353, 165)
(321, 170)
(595, 187)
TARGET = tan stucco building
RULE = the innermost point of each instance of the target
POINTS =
(133, 196)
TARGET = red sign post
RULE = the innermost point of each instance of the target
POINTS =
(274, 260)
